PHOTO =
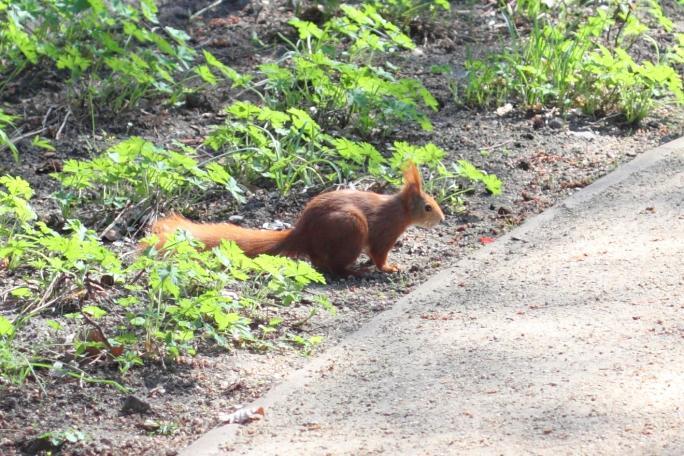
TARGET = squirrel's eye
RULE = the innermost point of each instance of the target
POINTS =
(428, 208)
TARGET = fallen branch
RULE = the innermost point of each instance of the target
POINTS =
(117, 218)
(205, 9)
(28, 135)
(58, 135)
(496, 146)
(43, 303)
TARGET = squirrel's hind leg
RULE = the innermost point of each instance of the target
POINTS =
(341, 237)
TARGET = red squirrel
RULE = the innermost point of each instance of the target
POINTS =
(332, 231)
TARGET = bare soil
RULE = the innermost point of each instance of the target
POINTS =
(539, 165)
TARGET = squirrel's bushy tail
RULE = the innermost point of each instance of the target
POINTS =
(252, 242)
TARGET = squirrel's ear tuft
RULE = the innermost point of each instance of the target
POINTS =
(412, 175)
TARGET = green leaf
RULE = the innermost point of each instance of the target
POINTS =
(275, 321)
(137, 321)
(23, 41)
(228, 72)
(6, 327)
(224, 321)
(54, 325)
(149, 10)
(243, 109)
(218, 174)
(205, 73)
(94, 311)
(97, 5)
(22, 292)
(17, 186)
(302, 121)
(491, 182)
(306, 29)
(43, 143)
(315, 340)
(127, 301)
(6, 118)
(178, 35)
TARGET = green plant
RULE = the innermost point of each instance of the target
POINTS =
(290, 148)
(183, 297)
(114, 53)
(57, 271)
(306, 344)
(59, 438)
(367, 30)
(616, 80)
(14, 366)
(208, 73)
(5, 141)
(571, 61)
(407, 12)
(70, 260)
(446, 182)
(330, 72)
(166, 428)
(285, 147)
(485, 83)
(542, 71)
(136, 172)
(160, 306)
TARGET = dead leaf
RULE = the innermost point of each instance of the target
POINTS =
(50, 166)
(149, 425)
(437, 316)
(243, 415)
(503, 110)
(224, 21)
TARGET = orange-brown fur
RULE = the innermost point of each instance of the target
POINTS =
(332, 231)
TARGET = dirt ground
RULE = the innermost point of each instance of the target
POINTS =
(538, 166)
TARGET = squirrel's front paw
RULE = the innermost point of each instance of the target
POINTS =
(390, 268)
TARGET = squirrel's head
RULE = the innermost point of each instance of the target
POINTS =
(422, 207)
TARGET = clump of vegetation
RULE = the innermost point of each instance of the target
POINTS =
(290, 148)
(403, 13)
(407, 12)
(162, 305)
(137, 173)
(565, 62)
(5, 141)
(330, 72)
(113, 53)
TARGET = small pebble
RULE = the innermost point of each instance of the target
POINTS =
(555, 123)
(524, 165)
(134, 405)
(112, 235)
(537, 122)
